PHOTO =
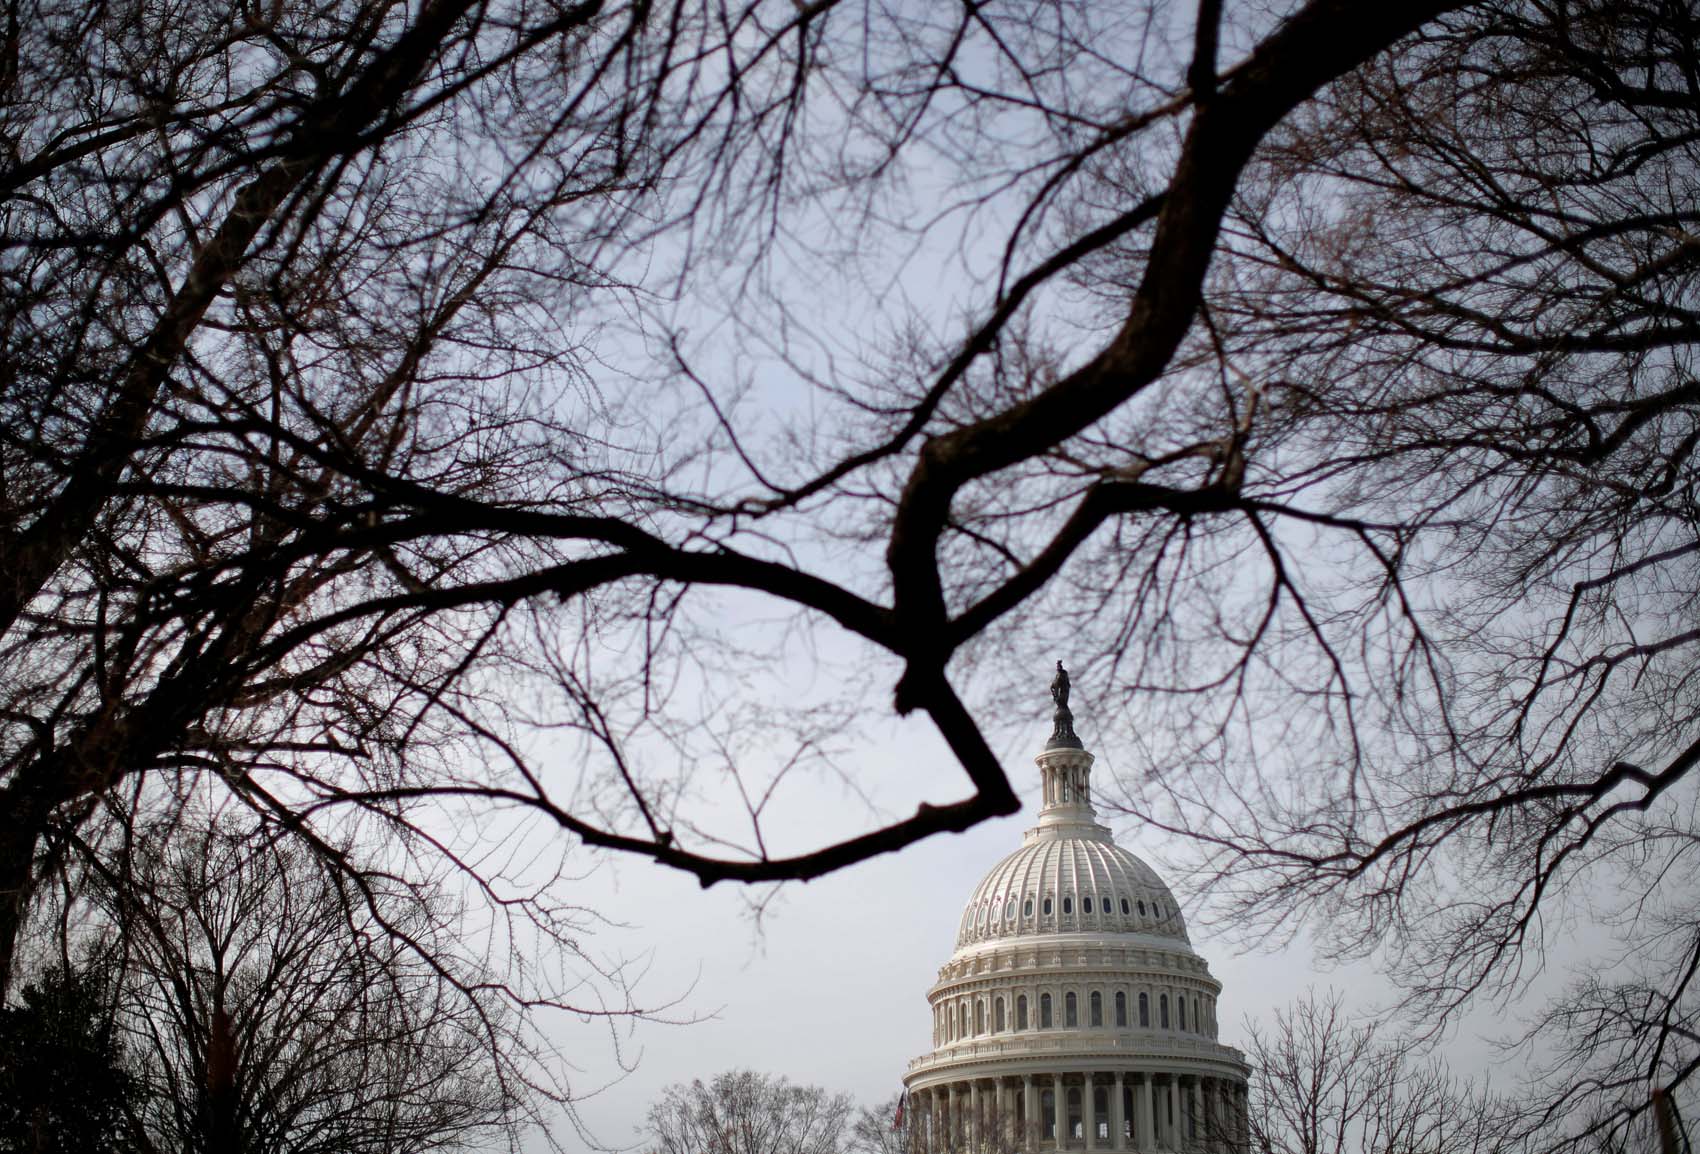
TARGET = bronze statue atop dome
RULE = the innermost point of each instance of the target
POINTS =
(1062, 728)
(1059, 687)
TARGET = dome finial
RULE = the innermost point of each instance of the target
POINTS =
(1062, 728)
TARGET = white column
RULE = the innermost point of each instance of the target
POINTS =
(1089, 1111)
(1172, 1116)
(1189, 1100)
(1059, 1110)
(974, 1118)
(1147, 1121)
(1030, 1113)
(1242, 1119)
(1118, 1123)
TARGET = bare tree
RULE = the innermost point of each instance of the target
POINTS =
(743, 1112)
(1322, 382)
(879, 1129)
(268, 1005)
(1458, 308)
(1322, 1085)
(308, 494)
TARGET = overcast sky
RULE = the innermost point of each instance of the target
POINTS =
(831, 990)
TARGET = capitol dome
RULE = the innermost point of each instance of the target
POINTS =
(1074, 1013)
(1057, 884)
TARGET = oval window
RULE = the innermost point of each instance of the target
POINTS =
(1009, 911)
(1068, 905)
(1085, 905)
(1027, 908)
(1047, 907)
(1125, 910)
(1141, 909)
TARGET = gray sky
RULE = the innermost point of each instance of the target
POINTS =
(831, 990)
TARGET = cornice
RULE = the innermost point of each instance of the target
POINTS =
(1099, 1053)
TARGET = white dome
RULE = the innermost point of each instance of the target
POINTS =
(1070, 883)
(1074, 1014)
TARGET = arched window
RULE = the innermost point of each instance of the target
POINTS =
(1163, 1011)
(979, 1017)
(1068, 905)
(952, 1026)
(1180, 1008)
(1044, 1011)
(1197, 1020)
(1047, 907)
(1101, 1111)
(1027, 908)
(1071, 1009)
(1121, 1008)
(1125, 909)
(1047, 1112)
(1075, 1129)
(1021, 1012)
(1096, 1009)
(1144, 1010)
(997, 1016)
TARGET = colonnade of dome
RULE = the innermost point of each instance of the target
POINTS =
(1074, 1014)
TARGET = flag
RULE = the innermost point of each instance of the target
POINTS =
(902, 1101)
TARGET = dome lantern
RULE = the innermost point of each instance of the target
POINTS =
(1065, 774)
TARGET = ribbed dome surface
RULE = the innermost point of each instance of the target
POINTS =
(1070, 884)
